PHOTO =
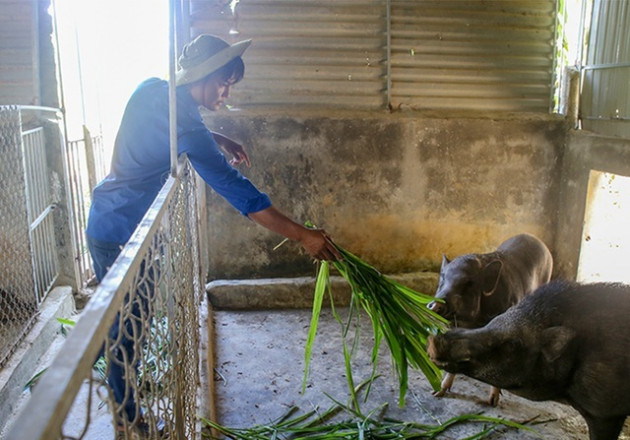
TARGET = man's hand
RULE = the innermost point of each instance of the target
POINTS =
(233, 149)
(315, 241)
(318, 243)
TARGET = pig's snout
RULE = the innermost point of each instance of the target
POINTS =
(448, 353)
(438, 307)
(433, 350)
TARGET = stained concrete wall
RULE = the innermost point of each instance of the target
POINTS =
(27, 57)
(399, 190)
(584, 152)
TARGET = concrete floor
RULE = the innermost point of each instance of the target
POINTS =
(259, 370)
(259, 361)
(259, 376)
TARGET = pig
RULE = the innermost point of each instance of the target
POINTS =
(474, 288)
(567, 342)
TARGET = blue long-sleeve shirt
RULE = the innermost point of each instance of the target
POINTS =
(141, 163)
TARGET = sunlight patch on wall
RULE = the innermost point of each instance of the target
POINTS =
(605, 249)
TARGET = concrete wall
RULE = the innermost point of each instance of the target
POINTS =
(398, 190)
(27, 58)
(584, 152)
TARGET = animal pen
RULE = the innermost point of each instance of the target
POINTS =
(159, 275)
(258, 359)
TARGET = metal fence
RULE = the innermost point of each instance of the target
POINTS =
(605, 98)
(153, 293)
(86, 167)
(30, 192)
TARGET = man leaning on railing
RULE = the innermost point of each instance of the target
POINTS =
(208, 68)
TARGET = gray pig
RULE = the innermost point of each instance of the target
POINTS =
(566, 342)
(477, 287)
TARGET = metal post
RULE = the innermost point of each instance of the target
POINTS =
(89, 157)
(389, 54)
(172, 87)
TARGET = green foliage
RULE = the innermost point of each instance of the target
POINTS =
(374, 426)
(99, 366)
(65, 322)
(157, 358)
(320, 287)
(156, 362)
(397, 313)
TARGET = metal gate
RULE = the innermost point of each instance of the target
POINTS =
(40, 206)
(29, 195)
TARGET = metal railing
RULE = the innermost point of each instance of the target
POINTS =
(153, 293)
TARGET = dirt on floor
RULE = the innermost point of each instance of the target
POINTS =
(259, 370)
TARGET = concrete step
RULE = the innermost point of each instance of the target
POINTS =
(295, 293)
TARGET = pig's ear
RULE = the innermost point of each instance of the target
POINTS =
(555, 341)
(445, 260)
(490, 277)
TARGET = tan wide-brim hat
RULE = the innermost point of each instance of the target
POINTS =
(204, 55)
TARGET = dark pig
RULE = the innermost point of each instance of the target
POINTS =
(477, 287)
(566, 342)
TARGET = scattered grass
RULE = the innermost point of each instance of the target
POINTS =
(314, 425)
(155, 366)
(65, 323)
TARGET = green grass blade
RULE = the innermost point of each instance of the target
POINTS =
(65, 321)
(348, 363)
(33, 380)
(323, 278)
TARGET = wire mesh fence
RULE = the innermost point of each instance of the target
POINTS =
(29, 265)
(140, 330)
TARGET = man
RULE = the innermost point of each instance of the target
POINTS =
(209, 67)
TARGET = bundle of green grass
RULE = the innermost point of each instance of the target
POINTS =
(397, 313)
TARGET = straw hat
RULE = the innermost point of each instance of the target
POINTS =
(204, 55)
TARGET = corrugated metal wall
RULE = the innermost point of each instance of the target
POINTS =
(605, 98)
(366, 54)
(19, 55)
(479, 55)
(329, 53)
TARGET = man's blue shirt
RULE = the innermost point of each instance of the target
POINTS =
(141, 163)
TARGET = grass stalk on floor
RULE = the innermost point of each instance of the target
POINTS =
(316, 426)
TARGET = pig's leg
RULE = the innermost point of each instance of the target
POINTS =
(604, 429)
(447, 383)
(493, 397)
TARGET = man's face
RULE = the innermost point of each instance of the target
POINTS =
(215, 91)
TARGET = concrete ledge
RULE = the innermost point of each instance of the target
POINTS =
(22, 365)
(292, 293)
